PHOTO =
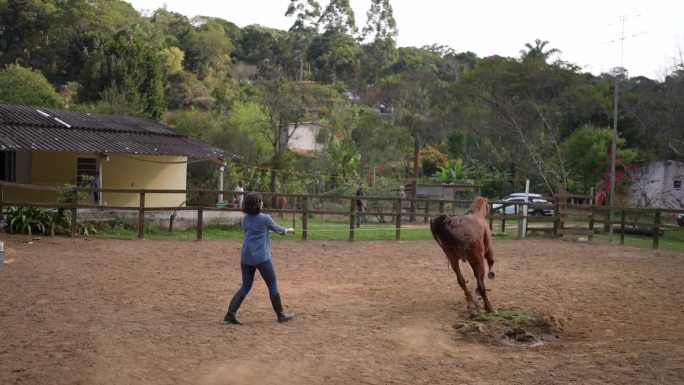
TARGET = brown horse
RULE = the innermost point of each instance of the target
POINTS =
(279, 202)
(467, 237)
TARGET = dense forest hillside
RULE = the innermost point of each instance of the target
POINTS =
(393, 114)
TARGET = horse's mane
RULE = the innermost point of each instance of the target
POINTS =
(479, 206)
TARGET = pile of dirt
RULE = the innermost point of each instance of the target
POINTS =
(511, 327)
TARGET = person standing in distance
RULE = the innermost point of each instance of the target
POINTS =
(256, 255)
(239, 197)
(359, 204)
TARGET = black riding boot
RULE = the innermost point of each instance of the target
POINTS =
(232, 310)
(278, 307)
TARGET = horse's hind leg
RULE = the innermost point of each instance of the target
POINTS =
(453, 260)
(489, 256)
(479, 270)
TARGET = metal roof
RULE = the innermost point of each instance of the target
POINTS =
(47, 129)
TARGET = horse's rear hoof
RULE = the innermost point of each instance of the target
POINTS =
(491, 275)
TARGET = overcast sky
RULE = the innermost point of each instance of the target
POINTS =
(587, 32)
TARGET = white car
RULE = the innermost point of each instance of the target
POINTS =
(680, 219)
(533, 199)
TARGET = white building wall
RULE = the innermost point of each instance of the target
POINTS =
(661, 184)
(304, 137)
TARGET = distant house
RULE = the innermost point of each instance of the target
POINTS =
(659, 185)
(304, 138)
(352, 96)
(445, 191)
(44, 146)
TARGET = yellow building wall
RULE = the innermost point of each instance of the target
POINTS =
(119, 171)
(47, 169)
(144, 172)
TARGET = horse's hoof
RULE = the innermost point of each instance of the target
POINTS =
(491, 275)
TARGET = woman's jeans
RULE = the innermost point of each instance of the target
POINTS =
(267, 273)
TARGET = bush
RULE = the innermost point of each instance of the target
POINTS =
(32, 220)
(86, 229)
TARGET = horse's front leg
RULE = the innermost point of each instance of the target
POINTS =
(453, 260)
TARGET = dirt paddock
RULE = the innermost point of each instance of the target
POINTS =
(76, 311)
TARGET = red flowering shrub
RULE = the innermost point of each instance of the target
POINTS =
(624, 177)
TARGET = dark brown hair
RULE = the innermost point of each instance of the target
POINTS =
(252, 203)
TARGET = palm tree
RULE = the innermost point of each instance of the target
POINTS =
(537, 51)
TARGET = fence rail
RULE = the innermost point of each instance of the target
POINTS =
(379, 206)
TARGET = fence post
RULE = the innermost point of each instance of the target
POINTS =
(491, 220)
(74, 202)
(656, 230)
(427, 210)
(591, 213)
(305, 218)
(352, 217)
(141, 217)
(556, 218)
(397, 221)
(200, 223)
(622, 227)
(2, 199)
(441, 207)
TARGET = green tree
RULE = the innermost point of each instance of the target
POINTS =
(380, 23)
(304, 28)
(333, 51)
(306, 13)
(586, 154)
(381, 28)
(379, 142)
(538, 51)
(651, 113)
(184, 90)
(174, 26)
(411, 96)
(208, 49)
(422, 60)
(20, 85)
(24, 27)
(67, 32)
(338, 16)
(171, 60)
(512, 112)
(126, 68)
(260, 44)
(281, 105)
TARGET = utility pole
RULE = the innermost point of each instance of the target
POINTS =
(618, 72)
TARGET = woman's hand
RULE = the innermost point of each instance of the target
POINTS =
(290, 230)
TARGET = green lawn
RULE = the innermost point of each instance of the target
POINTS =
(671, 240)
(322, 229)
(318, 229)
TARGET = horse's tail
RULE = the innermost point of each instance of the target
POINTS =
(450, 233)
(437, 227)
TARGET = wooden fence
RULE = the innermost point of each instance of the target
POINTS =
(379, 206)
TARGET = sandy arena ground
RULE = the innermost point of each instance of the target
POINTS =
(75, 311)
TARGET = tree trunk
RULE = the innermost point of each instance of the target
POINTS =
(334, 73)
(414, 182)
(301, 69)
(274, 174)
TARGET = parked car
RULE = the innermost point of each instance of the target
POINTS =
(533, 200)
(680, 219)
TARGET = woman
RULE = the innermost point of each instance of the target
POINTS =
(256, 255)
